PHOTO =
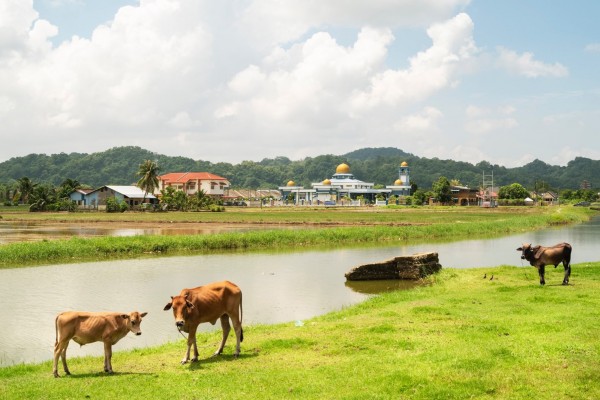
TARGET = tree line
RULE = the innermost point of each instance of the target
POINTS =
(118, 166)
(46, 197)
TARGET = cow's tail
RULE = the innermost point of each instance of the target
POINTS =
(568, 250)
(56, 330)
(241, 318)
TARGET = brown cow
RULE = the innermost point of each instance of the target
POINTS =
(540, 256)
(208, 303)
(88, 327)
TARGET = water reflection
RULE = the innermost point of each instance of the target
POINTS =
(11, 232)
(277, 287)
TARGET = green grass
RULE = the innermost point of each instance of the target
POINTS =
(459, 337)
(291, 215)
(437, 224)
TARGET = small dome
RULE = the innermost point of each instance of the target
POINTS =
(343, 168)
(326, 182)
(291, 183)
(398, 182)
(404, 164)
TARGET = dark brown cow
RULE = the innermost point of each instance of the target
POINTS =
(208, 303)
(540, 256)
(88, 327)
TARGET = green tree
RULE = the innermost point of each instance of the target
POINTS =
(513, 191)
(148, 182)
(419, 197)
(42, 197)
(441, 190)
(25, 187)
(68, 186)
(167, 198)
(200, 201)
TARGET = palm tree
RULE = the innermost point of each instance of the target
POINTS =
(25, 186)
(68, 186)
(148, 171)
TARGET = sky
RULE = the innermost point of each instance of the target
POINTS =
(505, 82)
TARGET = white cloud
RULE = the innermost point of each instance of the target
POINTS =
(592, 48)
(430, 71)
(273, 22)
(226, 81)
(484, 120)
(425, 121)
(526, 65)
(568, 153)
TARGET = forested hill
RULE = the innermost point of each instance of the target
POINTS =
(118, 166)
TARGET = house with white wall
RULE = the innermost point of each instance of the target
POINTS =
(192, 182)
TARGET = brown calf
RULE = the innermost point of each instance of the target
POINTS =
(88, 327)
(540, 256)
(208, 303)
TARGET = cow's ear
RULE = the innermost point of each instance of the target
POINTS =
(520, 249)
(168, 306)
(143, 314)
(124, 316)
(189, 304)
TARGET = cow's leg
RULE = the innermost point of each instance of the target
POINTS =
(226, 329)
(541, 271)
(239, 334)
(567, 272)
(63, 355)
(60, 351)
(108, 357)
(191, 342)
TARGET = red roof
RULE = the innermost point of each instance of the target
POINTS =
(183, 177)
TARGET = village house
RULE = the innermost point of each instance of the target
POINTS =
(549, 198)
(132, 195)
(464, 196)
(78, 196)
(192, 182)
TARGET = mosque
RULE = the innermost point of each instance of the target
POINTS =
(343, 185)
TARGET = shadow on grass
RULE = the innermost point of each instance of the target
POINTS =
(221, 358)
(104, 375)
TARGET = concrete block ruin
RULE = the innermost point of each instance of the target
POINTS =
(413, 267)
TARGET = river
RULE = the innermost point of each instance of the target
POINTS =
(277, 287)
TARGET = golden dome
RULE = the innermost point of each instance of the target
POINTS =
(291, 183)
(404, 164)
(343, 168)
(398, 182)
(326, 182)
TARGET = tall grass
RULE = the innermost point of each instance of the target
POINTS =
(459, 337)
(459, 226)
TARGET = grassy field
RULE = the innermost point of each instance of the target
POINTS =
(345, 228)
(290, 215)
(461, 336)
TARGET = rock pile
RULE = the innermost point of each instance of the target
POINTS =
(412, 267)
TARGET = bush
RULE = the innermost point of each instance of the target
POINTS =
(113, 205)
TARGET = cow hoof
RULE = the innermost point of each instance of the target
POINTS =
(56, 375)
(195, 359)
(183, 362)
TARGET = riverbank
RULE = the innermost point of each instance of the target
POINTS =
(462, 336)
(382, 226)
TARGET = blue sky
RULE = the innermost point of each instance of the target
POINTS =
(499, 81)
